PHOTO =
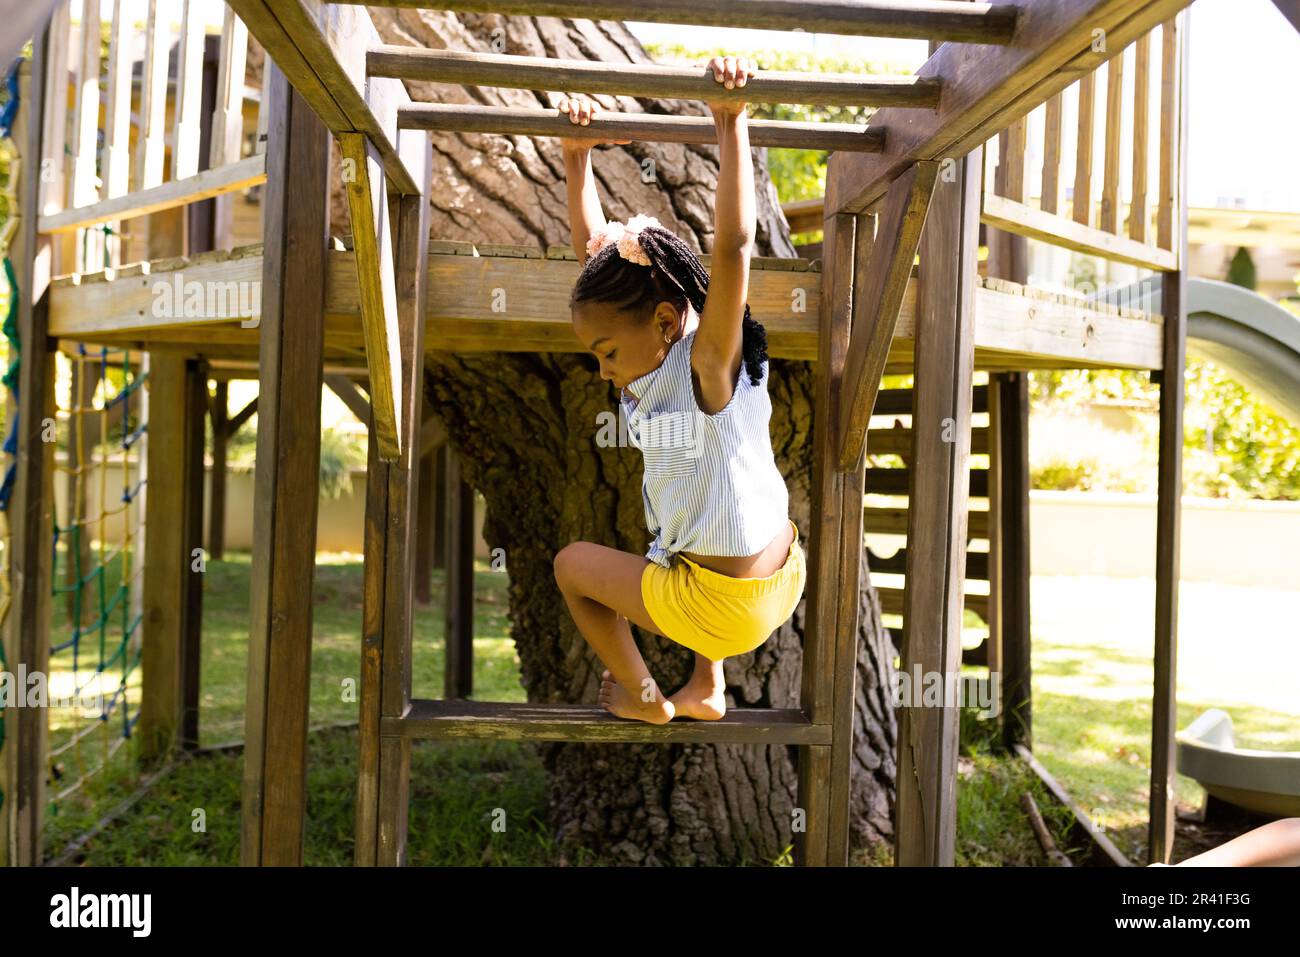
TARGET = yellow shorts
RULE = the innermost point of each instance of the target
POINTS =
(717, 615)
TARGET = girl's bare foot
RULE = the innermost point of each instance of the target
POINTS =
(701, 699)
(615, 699)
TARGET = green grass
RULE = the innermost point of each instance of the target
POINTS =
(1091, 730)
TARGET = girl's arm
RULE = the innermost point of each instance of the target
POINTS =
(585, 213)
(1276, 844)
(716, 356)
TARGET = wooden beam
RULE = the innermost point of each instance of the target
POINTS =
(937, 522)
(879, 288)
(1137, 214)
(1108, 218)
(1169, 496)
(941, 20)
(1051, 189)
(644, 127)
(321, 48)
(347, 390)
(192, 477)
(986, 88)
(645, 79)
(287, 481)
(373, 246)
(1026, 221)
(178, 192)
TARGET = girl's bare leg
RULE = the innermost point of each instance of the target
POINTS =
(602, 587)
(703, 697)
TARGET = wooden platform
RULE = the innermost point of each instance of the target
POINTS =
(490, 298)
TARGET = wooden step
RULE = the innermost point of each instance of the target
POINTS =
(509, 721)
(899, 441)
(645, 127)
(899, 401)
(893, 521)
(896, 481)
(649, 79)
(977, 564)
(940, 20)
(891, 602)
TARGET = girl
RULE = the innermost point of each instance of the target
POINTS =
(725, 568)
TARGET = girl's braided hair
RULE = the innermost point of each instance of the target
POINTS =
(675, 275)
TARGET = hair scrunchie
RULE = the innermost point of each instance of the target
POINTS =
(626, 236)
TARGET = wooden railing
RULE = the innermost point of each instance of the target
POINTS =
(86, 185)
(1098, 218)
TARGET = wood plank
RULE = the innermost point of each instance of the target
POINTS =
(286, 482)
(518, 721)
(893, 601)
(898, 441)
(117, 112)
(1051, 189)
(228, 117)
(1036, 224)
(643, 127)
(150, 143)
(1169, 494)
(941, 20)
(321, 49)
(986, 88)
(1137, 215)
(936, 535)
(85, 123)
(55, 119)
(893, 521)
(191, 522)
(469, 68)
(1081, 205)
(189, 94)
(1015, 328)
(1108, 218)
(879, 286)
(977, 565)
(373, 246)
(887, 481)
(177, 192)
(1170, 73)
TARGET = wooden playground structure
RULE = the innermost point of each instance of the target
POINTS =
(910, 184)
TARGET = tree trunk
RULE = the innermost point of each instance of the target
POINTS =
(525, 426)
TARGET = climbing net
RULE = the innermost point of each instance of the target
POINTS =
(95, 642)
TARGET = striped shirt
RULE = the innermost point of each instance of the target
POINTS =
(711, 483)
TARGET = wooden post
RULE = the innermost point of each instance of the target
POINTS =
(926, 824)
(817, 789)
(27, 632)
(1012, 409)
(217, 494)
(287, 480)
(458, 610)
(1169, 492)
(196, 410)
(383, 785)
(426, 534)
(442, 456)
(168, 568)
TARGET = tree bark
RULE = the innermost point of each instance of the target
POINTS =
(525, 427)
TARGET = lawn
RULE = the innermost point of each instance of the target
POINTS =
(1092, 681)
